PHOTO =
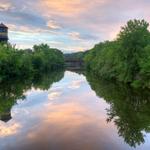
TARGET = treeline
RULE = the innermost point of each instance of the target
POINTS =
(75, 56)
(126, 59)
(16, 63)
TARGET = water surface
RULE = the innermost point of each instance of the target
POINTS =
(71, 112)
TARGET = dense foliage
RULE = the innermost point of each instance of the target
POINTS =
(75, 56)
(127, 58)
(25, 63)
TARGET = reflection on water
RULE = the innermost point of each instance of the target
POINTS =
(129, 109)
(10, 91)
(67, 115)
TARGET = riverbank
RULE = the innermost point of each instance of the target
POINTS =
(16, 63)
(126, 59)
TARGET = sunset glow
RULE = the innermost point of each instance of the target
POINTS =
(74, 25)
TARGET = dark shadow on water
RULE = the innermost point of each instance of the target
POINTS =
(129, 108)
(12, 90)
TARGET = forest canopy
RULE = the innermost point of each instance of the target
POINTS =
(127, 58)
(25, 63)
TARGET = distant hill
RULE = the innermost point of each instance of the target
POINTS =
(78, 56)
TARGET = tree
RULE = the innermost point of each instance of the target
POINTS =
(133, 38)
(126, 59)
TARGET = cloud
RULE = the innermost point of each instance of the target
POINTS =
(75, 35)
(61, 7)
(4, 6)
(53, 25)
(83, 36)
(74, 25)
(54, 95)
(9, 129)
(75, 84)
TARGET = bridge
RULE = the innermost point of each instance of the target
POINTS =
(74, 64)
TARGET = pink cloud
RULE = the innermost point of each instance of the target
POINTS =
(81, 23)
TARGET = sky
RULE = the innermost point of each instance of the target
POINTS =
(69, 25)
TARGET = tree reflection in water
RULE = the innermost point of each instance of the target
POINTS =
(12, 90)
(129, 108)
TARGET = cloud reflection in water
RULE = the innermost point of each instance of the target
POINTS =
(61, 118)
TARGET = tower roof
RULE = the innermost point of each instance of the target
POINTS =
(2, 25)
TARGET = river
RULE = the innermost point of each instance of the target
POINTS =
(73, 111)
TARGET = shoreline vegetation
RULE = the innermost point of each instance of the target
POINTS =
(21, 70)
(126, 59)
(15, 63)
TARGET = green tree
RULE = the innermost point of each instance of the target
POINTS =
(126, 59)
(16, 63)
(133, 38)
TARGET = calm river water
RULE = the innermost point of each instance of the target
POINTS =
(69, 111)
